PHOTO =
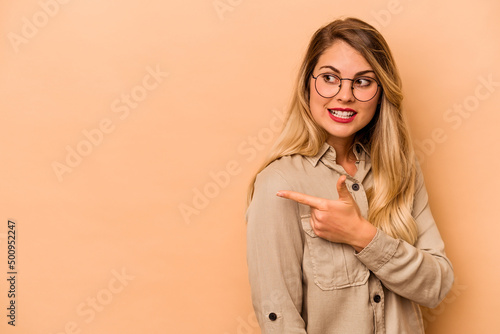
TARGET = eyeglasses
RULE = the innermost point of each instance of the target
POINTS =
(363, 88)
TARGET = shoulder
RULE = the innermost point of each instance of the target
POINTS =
(277, 176)
(287, 169)
(285, 173)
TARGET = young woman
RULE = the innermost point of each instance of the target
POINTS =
(340, 236)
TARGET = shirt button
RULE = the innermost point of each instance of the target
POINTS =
(376, 299)
(355, 187)
(273, 316)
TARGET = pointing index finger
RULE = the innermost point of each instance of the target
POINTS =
(312, 201)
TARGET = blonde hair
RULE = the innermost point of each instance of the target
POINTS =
(386, 136)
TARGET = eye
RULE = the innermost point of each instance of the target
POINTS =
(364, 82)
(331, 79)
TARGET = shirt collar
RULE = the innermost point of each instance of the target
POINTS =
(328, 152)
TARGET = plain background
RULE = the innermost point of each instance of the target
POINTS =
(159, 198)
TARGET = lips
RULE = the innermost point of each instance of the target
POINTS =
(342, 115)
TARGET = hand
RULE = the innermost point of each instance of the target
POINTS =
(336, 220)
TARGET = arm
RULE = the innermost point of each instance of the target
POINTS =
(421, 273)
(274, 256)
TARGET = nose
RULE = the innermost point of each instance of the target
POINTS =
(345, 93)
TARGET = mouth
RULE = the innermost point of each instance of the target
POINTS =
(342, 115)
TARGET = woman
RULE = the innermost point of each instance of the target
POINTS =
(340, 236)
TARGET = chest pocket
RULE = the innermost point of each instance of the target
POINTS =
(334, 265)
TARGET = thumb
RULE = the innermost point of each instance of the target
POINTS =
(342, 189)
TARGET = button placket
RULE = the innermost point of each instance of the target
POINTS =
(359, 196)
(377, 302)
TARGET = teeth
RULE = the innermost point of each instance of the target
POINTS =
(341, 114)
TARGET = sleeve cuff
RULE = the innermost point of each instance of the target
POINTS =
(379, 251)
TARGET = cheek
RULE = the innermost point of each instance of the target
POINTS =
(316, 109)
(316, 102)
(373, 108)
(370, 113)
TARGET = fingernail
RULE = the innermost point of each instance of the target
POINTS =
(279, 193)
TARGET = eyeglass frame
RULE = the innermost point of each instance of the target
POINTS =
(340, 86)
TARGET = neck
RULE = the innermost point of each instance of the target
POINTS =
(342, 148)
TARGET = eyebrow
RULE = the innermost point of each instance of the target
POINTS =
(337, 71)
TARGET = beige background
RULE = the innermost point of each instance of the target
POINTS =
(224, 73)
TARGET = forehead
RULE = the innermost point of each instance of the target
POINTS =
(344, 58)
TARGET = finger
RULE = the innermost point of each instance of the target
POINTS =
(342, 189)
(312, 201)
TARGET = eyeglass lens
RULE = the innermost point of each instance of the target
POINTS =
(363, 88)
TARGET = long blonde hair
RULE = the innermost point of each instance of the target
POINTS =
(386, 136)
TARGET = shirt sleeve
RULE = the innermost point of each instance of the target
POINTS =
(274, 256)
(421, 273)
